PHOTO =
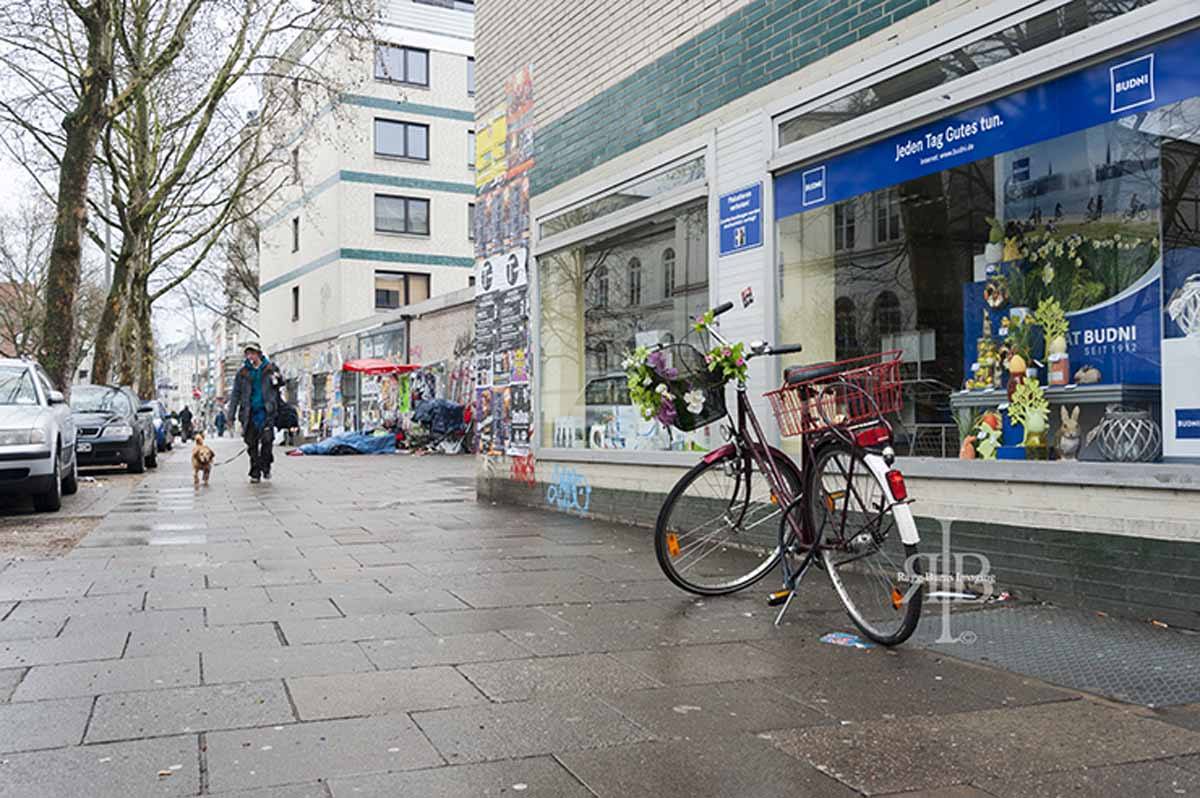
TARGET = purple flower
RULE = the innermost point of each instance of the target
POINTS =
(741, 361)
(666, 414)
(728, 352)
(658, 361)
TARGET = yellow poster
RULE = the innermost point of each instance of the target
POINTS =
(490, 162)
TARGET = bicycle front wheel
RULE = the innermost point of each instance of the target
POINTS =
(874, 573)
(718, 531)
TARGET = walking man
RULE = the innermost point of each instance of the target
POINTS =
(254, 401)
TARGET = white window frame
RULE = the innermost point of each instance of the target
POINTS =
(610, 224)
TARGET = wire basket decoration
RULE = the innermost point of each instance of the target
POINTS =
(861, 390)
(1128, 435)
(699, 394)
(1184, 306)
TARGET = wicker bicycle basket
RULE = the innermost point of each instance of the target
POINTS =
(682, 368)
(863, 390)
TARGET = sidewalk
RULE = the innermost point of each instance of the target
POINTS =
(360, 626)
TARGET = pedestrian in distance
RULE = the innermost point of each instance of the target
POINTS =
(185, 423)
(220, 422)
(254, 402)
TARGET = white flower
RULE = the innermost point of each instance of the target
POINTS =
(1079, 261)
(695, 400)
(627, 363)
(1048, 274)
(661, 389)
(647, 381)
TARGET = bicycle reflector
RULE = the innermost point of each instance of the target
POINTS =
(672, 544)
(872, 436)
(895, 481)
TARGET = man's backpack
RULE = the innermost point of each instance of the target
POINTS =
(287, 417)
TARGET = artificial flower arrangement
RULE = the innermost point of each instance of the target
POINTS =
(1080, 271)
(1051, 317)
(666, 387)
(1029, 408)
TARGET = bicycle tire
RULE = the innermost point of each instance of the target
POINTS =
(757, 544)
(861, 561)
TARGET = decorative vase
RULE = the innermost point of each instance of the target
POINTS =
(1184, 307)
(1128, 435)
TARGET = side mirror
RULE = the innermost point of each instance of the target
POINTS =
(57, 398)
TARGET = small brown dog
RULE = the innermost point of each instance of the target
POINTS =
(202, 460)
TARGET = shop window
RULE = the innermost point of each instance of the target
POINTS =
(401, 64)
(635, 281)
(843, 226)
(401, 139)
(584, 401)
(397, 289)
(1103, 221)
(401, 215)
(668, 267)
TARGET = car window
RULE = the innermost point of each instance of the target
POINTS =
(100, 400)
(44, 379)
(16, 386)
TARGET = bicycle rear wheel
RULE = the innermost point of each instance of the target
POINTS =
(718, 531)
(874, 573)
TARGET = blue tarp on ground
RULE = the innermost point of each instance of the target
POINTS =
(352, 443)
(441, 416)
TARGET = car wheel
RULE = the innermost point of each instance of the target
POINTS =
(137, 461)
(51, 500)
(70, 483)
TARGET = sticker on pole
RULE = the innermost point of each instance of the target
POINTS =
(846, 640)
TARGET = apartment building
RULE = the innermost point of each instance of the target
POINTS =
(379, 215)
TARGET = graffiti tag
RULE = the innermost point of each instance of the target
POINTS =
(569, 491)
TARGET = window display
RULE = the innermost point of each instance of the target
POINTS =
(1034, 258)
(599, 302)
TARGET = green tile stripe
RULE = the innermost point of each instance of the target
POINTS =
(758, 44)
(375, 255)
(399, 107)
(372, 178)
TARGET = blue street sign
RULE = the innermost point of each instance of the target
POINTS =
(741, 222)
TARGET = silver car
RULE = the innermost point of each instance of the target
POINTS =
(37, 436)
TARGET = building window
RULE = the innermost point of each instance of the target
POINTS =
(583, 398)
(887, 316)
(668, 267)
(401, 139)
(845, 327)
(601, 283)
(397, 289)
(635, 281)
(471, 150)
(471, 76)
(887, 216)
(296, 165)
(295, 303)
(296, 234)
(401, 215)
(471, 220)
(843, 226)
(402, 64)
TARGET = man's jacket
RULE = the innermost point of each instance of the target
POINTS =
(239, 399)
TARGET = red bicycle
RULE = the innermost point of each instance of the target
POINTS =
(747, 506)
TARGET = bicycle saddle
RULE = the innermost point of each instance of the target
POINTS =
(813, 371)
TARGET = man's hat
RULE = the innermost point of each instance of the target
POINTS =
(252, 346)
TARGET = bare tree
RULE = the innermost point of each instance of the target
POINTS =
(62, 54)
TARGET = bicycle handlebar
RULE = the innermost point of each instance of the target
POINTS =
(787, 349)
(724, 307)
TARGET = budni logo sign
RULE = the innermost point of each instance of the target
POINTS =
(814, 186)
(1131, 84)
(1187, 423)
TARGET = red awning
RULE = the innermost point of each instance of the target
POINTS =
(375, 366)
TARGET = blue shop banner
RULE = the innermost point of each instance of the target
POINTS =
(1139, 81)
(740, 219)
(1121, 337)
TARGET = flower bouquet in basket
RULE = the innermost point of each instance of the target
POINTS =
(681, 387)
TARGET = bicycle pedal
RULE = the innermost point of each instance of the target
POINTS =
(778, 598)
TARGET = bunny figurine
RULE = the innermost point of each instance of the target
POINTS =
(1068, 438)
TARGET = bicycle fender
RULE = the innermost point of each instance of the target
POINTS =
(901, 510)
(718, 453)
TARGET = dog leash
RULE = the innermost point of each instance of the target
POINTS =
(231, 459)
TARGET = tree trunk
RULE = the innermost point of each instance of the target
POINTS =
(104, 357)
(142, 312)
(83, 127)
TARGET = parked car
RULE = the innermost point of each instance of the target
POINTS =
(37, 436)
(114, 428)
(164, 433)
